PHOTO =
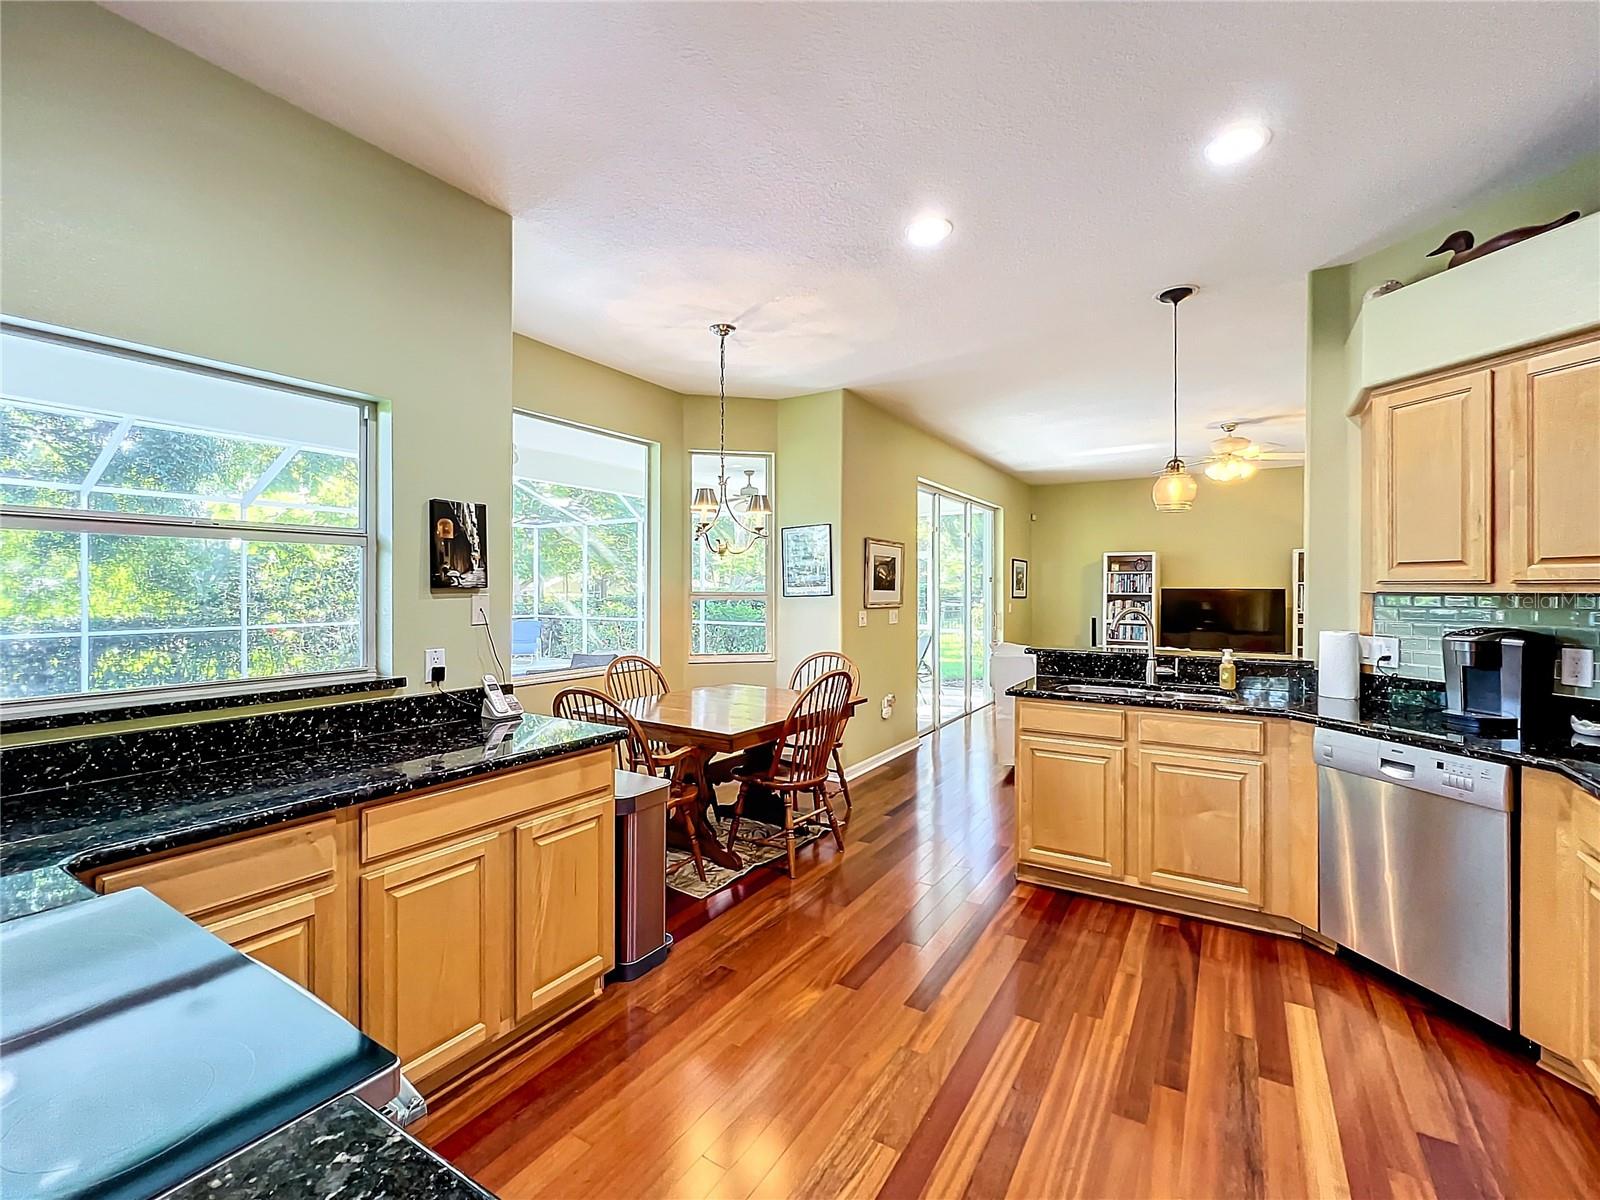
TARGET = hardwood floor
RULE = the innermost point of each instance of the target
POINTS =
(906, 1019)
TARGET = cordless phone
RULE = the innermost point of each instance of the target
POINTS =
(499, 704)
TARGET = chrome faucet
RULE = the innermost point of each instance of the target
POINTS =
(1150, 668)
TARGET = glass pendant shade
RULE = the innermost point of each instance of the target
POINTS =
(1175, 488)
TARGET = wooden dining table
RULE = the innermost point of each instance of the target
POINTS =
(724, 718)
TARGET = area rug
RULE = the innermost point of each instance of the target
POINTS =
(751, 850)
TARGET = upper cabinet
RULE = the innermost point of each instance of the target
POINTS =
(1488, 478)
(1431, 498)
(1552, 414)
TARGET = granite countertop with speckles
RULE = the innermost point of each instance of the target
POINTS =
(1555, 749)
(50, 834)
(343, 1150)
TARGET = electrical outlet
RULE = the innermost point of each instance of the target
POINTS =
(1380, 649)
(861, 618)
(480, 609)
(433, 666)
(1577, 666)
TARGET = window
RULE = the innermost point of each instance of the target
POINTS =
(730, 596)
(173, 525)
(579, 533)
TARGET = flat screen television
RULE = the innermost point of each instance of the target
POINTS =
(1253, 620)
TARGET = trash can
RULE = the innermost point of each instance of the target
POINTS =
(642, 938)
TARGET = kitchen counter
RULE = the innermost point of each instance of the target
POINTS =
(342, 1149)
(1414, 725)
(214, 787)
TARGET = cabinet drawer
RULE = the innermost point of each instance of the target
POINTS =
(1244, 734)
(1084, 720)
(201, 881)
(406, 824)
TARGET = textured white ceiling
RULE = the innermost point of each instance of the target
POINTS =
(668, 165)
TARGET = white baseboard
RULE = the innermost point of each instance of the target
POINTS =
(855, 770)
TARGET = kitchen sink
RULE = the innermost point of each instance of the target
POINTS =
(1138, 692)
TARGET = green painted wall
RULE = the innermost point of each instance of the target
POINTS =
(152, 197)
(883, 459)
(1334, 368)
(811, 492)
(1237, 535)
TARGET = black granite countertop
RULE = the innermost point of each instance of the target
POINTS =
(51, 833)
(1417, 725)
(342, 1149)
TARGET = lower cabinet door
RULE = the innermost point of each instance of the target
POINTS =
(1589, 956)
(433, 952)
(301, 937)
(1201, 831)
(1070, 805)
(564, 923)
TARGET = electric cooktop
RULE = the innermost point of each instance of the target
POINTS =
(136, 1049)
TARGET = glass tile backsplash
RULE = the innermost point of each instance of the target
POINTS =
(1419, 621)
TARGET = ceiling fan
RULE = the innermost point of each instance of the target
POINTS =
(1234, 458)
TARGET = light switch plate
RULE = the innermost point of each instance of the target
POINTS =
(1577, 666)
(894, 616)
(861, 618)
(480, 609)
(1385, 648)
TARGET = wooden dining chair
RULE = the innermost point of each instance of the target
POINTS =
(800, 766)
(808, 672)
(635, 753)
(633, 676)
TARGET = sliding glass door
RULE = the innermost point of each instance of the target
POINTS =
(955, 605)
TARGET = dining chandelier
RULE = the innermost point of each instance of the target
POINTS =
(748, 509)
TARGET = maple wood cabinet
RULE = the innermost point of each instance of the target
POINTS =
(1486, 478)
(1200, 824)
(278, 896)
(1432, 481)
(447, 923)
(1560, 925)
(1213, 807)
(1070, 804)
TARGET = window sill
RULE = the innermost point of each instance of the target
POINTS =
(32, 716)
(567, 675)
(701, 660)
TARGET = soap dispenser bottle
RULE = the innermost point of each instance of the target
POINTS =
(1228, 672)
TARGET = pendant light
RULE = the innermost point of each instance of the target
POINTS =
(749, 502)
(1175, 487)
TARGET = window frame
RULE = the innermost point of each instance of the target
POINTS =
(363, 534)
(649, 619)
(771, 654)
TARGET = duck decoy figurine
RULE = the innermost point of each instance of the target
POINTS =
(1465, 251)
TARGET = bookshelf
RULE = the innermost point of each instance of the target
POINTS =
(1132, 580)
(1297, 603)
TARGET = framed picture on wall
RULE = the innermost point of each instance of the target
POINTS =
(458, 552)
(807, 560)
(885, 573)
(1019, 579)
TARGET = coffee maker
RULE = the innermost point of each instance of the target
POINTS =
(1498, 681)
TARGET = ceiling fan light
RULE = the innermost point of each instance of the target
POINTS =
(1246, 469)
(1175, 489)
(1221, 470)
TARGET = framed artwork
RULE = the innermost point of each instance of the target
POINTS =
(1019, 579)
(807, 560)
(885, 573)
(458, 553)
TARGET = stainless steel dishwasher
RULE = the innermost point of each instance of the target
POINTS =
(1416, 865)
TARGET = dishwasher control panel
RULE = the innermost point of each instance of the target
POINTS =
(1471, 780)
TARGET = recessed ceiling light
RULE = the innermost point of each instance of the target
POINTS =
(1237, 143)
(928, 231)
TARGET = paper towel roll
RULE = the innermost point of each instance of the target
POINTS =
(1339, 664)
